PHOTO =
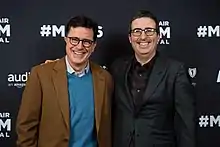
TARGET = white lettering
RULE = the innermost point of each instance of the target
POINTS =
(164, 41)
(4, 40)
(4, 134)
(4, 20)
(164, 23)
(165, 33)
(214, 120)
(218, 78)
(5, 125)
(5, 30)
(4, 115)
(100, 32)
(56, 31)
(18, 77)
(213, 31)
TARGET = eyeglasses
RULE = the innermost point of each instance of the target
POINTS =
(85, 42)
(138, 31)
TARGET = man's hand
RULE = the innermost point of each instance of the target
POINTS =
(49, 61)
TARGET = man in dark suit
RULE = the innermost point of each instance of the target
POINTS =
(67, 103)
(154, 104)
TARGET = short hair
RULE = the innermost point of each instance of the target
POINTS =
(145, 13)
(82, 21)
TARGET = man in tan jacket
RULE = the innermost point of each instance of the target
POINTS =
(67, 103)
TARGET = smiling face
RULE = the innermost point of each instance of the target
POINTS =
(144, 37)
(79, 45)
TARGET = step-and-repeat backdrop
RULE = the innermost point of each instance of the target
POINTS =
(33, 31)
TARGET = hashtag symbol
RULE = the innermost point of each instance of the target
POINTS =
(45, 30)
(203, 121)
(201, 31)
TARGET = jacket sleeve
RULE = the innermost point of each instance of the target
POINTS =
(29, 112)
(185, 109)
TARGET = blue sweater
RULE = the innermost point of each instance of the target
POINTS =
(82, 118)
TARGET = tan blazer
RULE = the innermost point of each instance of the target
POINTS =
(43, 119)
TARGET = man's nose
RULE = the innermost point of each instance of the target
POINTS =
(143, 35)
(80, 44)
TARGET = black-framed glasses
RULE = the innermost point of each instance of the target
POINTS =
(85, 42)
(148, 31)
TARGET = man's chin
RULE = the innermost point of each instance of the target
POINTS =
(79, 62)
(147, 48)
(144, 53)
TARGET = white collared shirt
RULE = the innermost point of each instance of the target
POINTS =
(72, 71)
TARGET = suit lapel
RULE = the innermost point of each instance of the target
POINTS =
(157, 74)
(129, 98)
(98, 85)
(60, 83)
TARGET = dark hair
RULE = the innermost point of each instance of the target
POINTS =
(144, 13)
(82, 21)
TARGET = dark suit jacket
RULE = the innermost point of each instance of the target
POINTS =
(166, 115)
(43, 119)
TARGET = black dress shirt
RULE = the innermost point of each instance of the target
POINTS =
(138, 77)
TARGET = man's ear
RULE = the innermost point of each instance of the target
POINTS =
(158, 38)
(65, 39)
(94, 46)
(129, 37)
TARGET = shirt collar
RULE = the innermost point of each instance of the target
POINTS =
(70, 70)
(148, 65)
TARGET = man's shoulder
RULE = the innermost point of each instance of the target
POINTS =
(101, 72)
(171, 62)
(120, 62)
(45, 68)
(99, 69)
(172, 65)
